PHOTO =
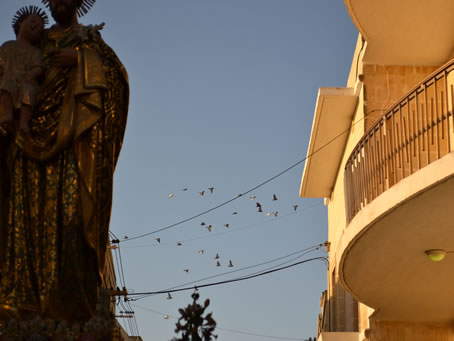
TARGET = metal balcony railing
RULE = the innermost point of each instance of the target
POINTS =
(414, 132)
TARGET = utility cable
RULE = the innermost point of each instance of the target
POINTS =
(303, 251)
(224, 329)
(246, 192)
(230, 230)
(230, 280)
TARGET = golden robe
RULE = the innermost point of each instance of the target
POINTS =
(57, 184)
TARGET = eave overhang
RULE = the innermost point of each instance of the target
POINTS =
(405, 32)
(332, 119)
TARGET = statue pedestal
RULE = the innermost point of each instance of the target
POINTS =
(96, 329)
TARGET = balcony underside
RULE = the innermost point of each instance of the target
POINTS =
(383, 263)
(404, 32)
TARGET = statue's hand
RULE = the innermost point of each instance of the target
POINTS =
(65, 57)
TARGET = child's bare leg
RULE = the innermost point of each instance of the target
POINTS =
(7, 104)
(25, 116)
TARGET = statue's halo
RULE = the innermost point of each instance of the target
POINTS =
(82, 9)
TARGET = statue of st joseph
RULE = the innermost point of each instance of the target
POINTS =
(56, 181)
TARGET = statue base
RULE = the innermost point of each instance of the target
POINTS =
(96, 329)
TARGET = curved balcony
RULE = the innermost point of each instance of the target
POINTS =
(415, 132)
(399, 187)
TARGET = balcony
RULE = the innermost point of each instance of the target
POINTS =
(415, 132)
(399, 191)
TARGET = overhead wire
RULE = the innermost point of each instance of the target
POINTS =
(224, 329)
(131, 322)
(134, 319)
(303, 251)
(246, 192)
(230, 230)
(230, 280)
(121, 266)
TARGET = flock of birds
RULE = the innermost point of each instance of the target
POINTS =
(209, 227)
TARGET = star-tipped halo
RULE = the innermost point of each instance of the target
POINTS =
(24, 12)
(82, 8)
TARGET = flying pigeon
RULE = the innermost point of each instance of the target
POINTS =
(227, 225)
(230, 264)
(166, 317)
(268, 214)
(184, 189)
(211, 189)
(202, 224)
(275, 213)
(258, 205)
(209, 228)
(186, 270)
(234, 212)
(260, 210)
(158, 240)
(252, 197)
(201, 251)
(202, 192)
(218, 264)
(169, 297)
(295, 207)
(274, 197)
(171, 195)
(179, 244)
(217, 256)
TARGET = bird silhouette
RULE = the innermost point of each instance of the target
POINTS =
(158, 240)
(258, 205)
(202, 192)
(268, 214)
(274, 197)
(252, 197)
(201, 251)
(295, 207)
(227, 225)
(184, 189)
(179, 244)
(230, 264)
(186, 270)
(169, 297)
(202, 224)
(171, 195)
(234, 213)
(166, 317)
(218, 264)
(209, 228)
(211, 189)
(217, 256)
(259, 210)
(276, 213)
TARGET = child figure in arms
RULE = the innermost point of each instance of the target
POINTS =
(20, 67)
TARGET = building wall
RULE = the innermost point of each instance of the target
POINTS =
(379, 87)
(386, 84)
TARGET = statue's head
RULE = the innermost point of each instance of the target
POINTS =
(29, 21)
(69, 7)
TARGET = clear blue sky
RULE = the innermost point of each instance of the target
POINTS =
(223, 95)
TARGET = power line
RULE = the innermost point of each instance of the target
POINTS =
(303, 251)
(230, 280)
(230, 230)
(246, 192)
(224, 329)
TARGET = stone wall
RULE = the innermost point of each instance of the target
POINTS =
(386, 84)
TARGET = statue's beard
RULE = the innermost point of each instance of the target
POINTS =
(63, 13)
